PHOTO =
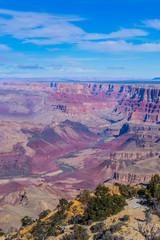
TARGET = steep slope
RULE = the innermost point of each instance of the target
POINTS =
(70, 219)
(29, 148)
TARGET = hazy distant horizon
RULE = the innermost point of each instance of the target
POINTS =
(83, 80)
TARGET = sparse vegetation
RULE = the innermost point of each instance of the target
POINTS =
(44, 214)
(26, 221)
(106, 235)
(97, 227)
(77, 233)
(103, 205)
(125, 218)
(101, 191)
(115, 228)
(63, 204)
(153, 189)
(148, 229)
(156, 209)
(85, 209)
(1, 233)
(127, 191)
(84, 196)
(53, 226)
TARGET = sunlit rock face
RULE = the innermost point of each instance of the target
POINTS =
(138, 103)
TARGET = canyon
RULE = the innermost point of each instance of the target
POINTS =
(60, 138)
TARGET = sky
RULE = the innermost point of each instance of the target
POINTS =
(91, 38)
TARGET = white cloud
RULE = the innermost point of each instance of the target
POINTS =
(4, 47)
(106, 46)
(9, 56)
(26, 66)
(121, 34)
(69, 69)
(94, 36)
(116, 68)
(73, 63)
(54, 49)
(55, 66)
(76, 70)
(128, 33)
(152, 23)
(119, 46)
(68, 59)
(47, 29)
(39, 28)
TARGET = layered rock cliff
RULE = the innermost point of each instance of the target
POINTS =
(139, 103)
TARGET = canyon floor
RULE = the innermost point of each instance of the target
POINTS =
(60, 138)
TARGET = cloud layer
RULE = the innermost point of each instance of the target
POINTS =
(4, 47)
(55, 44)
(152, 23)
(26, 66)
(47, 29)
(119, 46)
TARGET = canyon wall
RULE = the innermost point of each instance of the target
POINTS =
(60, 138)
(44, 121)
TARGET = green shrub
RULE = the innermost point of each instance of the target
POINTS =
(53, 227)
(101, 191)
(115, 228)
(97, 227)
(45, 229)
(78, 233)
(106, 235)
(44, 214)
(63, 204)
(1, 233)
(26, 221)
(103, 205)
(127, 191)
(84, 196)
(141, 192)
(125, 218)
(153, 189)
(76, 220)
(97, 207)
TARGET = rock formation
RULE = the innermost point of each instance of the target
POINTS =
(72, 136)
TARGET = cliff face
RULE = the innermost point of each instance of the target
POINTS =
(132, 178)
(140, 104)
(132, 155)
(136, 102)
(141, 153)
(141, 171)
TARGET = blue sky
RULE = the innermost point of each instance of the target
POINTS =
(97, 38)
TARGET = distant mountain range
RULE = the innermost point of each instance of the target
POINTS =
(156, 78)
(119, 80)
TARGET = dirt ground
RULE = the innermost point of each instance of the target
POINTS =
(129, 231)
